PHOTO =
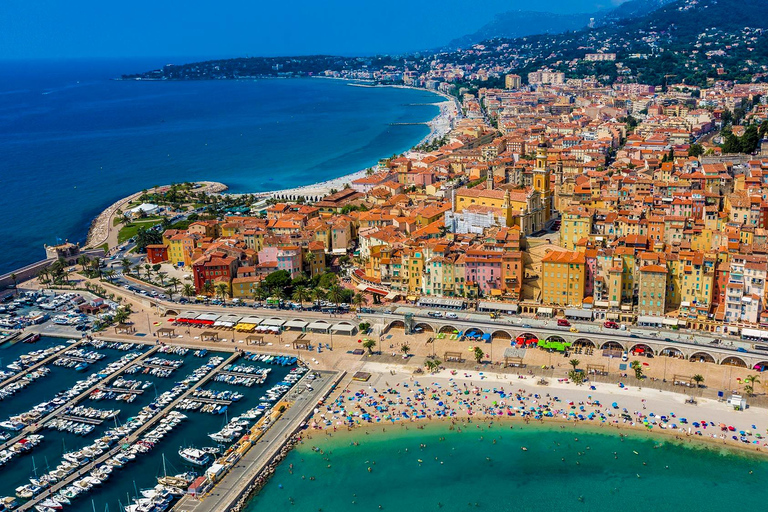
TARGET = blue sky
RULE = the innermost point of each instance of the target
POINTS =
(224, 28)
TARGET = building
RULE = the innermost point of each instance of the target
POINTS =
(562, 278)
(544, 76)
(652, 294)
(512, 81)
(214, 268)
(600, 57)
(576, 224)
(157, 253)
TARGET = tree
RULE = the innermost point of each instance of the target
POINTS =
(121, 315)
(576, 377)
(358, 300)
(300, 295)
(126, 264)
(749, 384)
(278, 279)
(188, 290)
(405, 349)
(432, 365)
(174, 282)
(148, 268)
(208, 288)
(145, 237)
(364, 326)
(696, 150)
(162, 275)
(170, 291)
(369, 344)
(574, 363)
(335, 295)
(731, 144)
(318, 294)
(83, 261)
(698, 379)
(478, 353)
(222, 290)
(750, 140)
(635, 365)
(14, 278)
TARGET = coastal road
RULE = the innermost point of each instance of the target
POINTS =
(229, 490)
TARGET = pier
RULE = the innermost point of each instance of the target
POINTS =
(38, 425)
(236, 483)
(80, 419)
(214, 401)
(38, 364)
(160, 366)
(123, 390)
(242, 374)
(29, 505)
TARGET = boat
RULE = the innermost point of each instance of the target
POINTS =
(195, 456)
(31, 338)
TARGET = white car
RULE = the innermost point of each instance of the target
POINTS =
(451, 315)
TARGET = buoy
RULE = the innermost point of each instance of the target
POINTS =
(633, 451)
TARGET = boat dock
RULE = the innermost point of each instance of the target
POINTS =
(123, 390)
(242, 374)
(39, 364)
(38, 425)
(236, 485)
(160, 366)
(30, 505)
(214, 401)
(80, 419)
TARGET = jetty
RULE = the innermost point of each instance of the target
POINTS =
(39, 364)
(122, 390)
(136, 435)
(81, 419)
(236, 485)
(38, 425)
(214, 401)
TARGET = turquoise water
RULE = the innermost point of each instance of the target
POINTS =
(73, 141)
(486, 469)
(140, 474)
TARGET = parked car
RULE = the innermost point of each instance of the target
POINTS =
(451, 315)
(562, 322)
(435, 314)
(609, 324)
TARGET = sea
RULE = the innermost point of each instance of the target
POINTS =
(539, 468)
(73, 140)
(126, 483)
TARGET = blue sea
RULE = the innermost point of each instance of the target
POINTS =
(74, 141)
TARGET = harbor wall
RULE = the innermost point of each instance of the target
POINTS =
(30, 271)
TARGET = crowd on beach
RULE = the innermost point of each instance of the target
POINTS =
(458, 400)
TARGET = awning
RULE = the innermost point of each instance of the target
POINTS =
(669, 321)
(251, 320)
(208, 317)
(578, 313)
(319, 325)
(544, 311)
(506, 307)
(343, 328)
(296, 323)
(650, 320)
(273, 322)
(612, 316)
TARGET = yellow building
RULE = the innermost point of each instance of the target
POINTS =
(576, 224)
(245, 287)
(412, 270)
(563, 277)
(180, 248)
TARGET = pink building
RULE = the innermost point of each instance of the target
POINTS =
(483, 268)
(287, 258)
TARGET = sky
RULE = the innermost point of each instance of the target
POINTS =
(62, 29)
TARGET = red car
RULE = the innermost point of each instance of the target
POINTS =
(611, 325)
(562, 322)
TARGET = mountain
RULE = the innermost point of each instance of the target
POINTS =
(519, 23)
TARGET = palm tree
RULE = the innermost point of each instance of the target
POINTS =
(369, 344)
(405, 349)
(635, 365)
(162, 275)
(358, 300)
(698, 379)
(121, 315)
(14, 278)
(109, 274)
(335, 294)
(174, 282)
(749, 384)
(478, 352)
(432, 365)
(222, 289)
(170, 291)
(208, 288)
(300, 295)
(262, 292)
(318, 294)
(278, 293)
(42, 275)
(83, 261)
(126, 264)
(96, 267)
(148, 268)
(137, 268)
(188, 290)
(574, 363)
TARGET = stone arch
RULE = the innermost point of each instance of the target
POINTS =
(501, 334)
(671, 352)
(424, 326)
(759, 365)
(395, 324)
(448, 329)
(527, 336)
(612, 345)
(474, 331)
(556, 338)
(734, 361)
(584, 342)
(171, 312)
(702, 357)
(642, 346)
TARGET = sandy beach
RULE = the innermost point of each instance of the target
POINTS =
(394, 397)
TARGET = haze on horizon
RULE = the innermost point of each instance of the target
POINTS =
(51, 29)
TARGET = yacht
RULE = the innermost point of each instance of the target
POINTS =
(195, 456)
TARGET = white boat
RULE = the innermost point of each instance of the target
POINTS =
(195, 456)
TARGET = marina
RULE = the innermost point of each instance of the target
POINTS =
(74, 453)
